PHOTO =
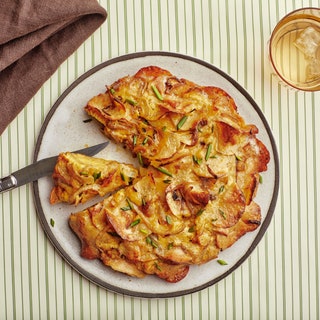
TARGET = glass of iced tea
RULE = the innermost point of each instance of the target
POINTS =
(294, 49)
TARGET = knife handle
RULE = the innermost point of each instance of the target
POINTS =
(8, 183)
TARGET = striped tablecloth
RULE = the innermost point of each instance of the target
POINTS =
(280, 280)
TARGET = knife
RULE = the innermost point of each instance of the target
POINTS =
(40, 169)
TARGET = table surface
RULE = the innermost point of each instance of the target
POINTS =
(280, 279)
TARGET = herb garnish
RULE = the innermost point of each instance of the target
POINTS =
(129, 207)
(196, 160)
(149, 240)
(223, 214)
(157, 266)
(168, 219)
(200, 212)
(140, 159)
(222, 262)
(182, 122)
(156, 92)
(260, 179)
(145, 140)
(164, 171)
(130, 204)
(125, 208)
(209, 149)
(96, 175)
(134, 140)
(132, 102)
(134, 223)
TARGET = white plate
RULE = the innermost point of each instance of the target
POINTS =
(64, 129)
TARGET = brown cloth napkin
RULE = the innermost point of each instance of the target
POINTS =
(36, 36)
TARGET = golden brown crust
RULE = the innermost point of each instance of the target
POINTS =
(249, 221)
(200, 171)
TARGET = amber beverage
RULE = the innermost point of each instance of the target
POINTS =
(294, 49)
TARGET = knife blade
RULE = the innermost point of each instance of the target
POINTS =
(40, 169)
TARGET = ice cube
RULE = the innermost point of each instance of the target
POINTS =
(308, 42)
(313, 70)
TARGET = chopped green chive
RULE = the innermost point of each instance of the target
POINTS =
(238, 158)
(132, 102)
(52, 222)
(143, 202)
(125, 208)
(196, 160)
(222, 262)
(168, 219)
(221, 189)
(164, 171)
(148, 240)
(156, 92)
(134, 140)
(87, 120)
(145, 140)
(86, 174)
(200, 212)
(123, 178)
(130, 204)
(223, 214)
(209, 149)
(191, 229)
(144, 231)
(134, 223)
(260, 179)
(168, 181)
(112, 91)
(152, 242)
(170, 245)
(182, 122)
(140, 159)
(129, 207)
(96, 175)
(157, 266)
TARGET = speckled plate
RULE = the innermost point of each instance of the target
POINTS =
(65, 129)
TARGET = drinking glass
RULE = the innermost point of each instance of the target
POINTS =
(294, 49)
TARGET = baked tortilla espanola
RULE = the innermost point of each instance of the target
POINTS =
(199, 171)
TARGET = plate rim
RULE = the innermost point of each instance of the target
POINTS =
(91, 277)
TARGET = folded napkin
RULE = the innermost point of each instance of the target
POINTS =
(35, 38)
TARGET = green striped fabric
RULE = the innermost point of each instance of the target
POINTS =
(280, 280)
